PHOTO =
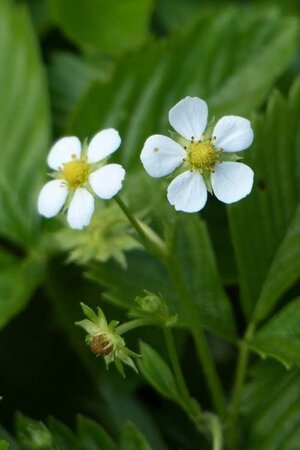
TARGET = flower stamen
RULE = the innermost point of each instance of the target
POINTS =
(202, 156)
(75, 172)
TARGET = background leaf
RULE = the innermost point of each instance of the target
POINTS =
(24, 124)
(198, 263)
(3, 445)
(280, 336)
(270, 408)
(18, 281)
(69, 77)
(233, 79)
(87, 26)
(266, 226)
(93, 436)
(132, 439)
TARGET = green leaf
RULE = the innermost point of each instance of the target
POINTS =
(18, 281)
(158, 374)
(24, 124)
(4, 435)
(107, 25)
(142, 272)
(280, 336)
(198, 264)
(121, 407)
(64, 437)
(69, 78)
(132, 439)
(233, 79)
(33, 435)
(270, 408)
(266, 226)
(4, 445)
(93, 436)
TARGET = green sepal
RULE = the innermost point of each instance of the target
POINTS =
(179, 139)
(88, 312)
(207, 181)
(119, 367)
(226, 156)
(209, 130)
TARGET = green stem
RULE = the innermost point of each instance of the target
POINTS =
(202, 347)
(192, 407)
(216, 430)
(132, 324)
(158, 249)
(239, 382)
(149, 238)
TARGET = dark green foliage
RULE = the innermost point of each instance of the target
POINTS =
(73, 68)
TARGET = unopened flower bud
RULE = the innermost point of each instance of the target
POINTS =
(149, 304)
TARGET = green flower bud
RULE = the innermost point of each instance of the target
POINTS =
(149, 304)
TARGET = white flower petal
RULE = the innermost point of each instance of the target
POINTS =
(103, 144)
(161, 155)
(233, 134)
(51, 198)
(81, 209)
(187, 192)
(63, 150)
(189, 117)
(232, 181)
(107, 181)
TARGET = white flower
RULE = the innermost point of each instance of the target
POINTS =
(207, 161)
(81, 172)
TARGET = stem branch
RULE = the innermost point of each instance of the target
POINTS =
(127, 326)
(158, 249)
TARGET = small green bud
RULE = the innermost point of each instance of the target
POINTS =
(154, 305)
(149, 304)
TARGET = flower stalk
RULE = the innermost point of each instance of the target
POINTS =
(192, 314)
(150, 240)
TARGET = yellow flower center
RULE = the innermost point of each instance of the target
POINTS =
(75, 172)
(202, 156)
